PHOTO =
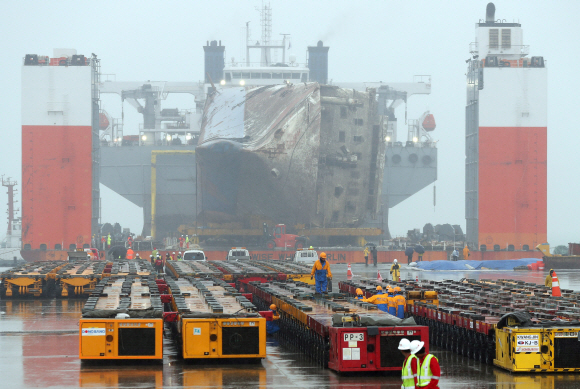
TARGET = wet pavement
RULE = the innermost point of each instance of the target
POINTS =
(39, 348)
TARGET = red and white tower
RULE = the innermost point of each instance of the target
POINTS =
(60, 186)
(506, 140)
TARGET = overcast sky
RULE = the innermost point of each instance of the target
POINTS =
(369, 41)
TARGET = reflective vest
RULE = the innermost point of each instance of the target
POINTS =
(424, 375)
(407, 373)
(129, 254)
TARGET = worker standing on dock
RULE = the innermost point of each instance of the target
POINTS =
(466, 253)
(130, 253)
(409, 253)
(381, 300)
(426, 369)
(109, 240)
(272, 326)
(548, 281)
(321, 273)
(407, 372)
(455, 255)
(401, 302)
(396, 271)
(179, 257)
(155, 253)
(366, 254)
(159, 264)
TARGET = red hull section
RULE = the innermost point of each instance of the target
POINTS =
(56, 186)
(512, 186)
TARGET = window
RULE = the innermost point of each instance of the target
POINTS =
(296, 76)
(237, 75)
(343, 113)
(287, 76)
(266, 75)
(506, 38)
(341, 136)
(58, 246)
(358, 122)
(493, 38)
(256, 75)
(228, 76)
(338, 191)
(277, 75)
(358, 138)
(246, 75)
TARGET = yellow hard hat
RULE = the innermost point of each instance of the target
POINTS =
(273, 307)
(359, 291)
(390, 290)
(379, 287)
(323, 255)
(397, 289)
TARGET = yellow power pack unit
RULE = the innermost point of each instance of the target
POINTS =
(121, 339)
(223, 338)
(538, 349)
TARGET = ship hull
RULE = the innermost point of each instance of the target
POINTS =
(562, 263)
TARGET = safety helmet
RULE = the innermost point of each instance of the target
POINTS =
(310, 247)
(390, 290)
(180, 252)
(151, 256)
(137, 254)
(323, 255)
(359, 291)
(166, 254)
(416, 345)
(273, 307)
(174, 252)
(395, 261)
(379, 287)
(397, 289)
(405, 344)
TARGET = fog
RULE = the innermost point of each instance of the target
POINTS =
(368, 40)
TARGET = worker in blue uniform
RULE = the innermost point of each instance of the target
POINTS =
(272, 326)
(380, 300)
(392, 302)
(401, 303)
(321, 273)
(359, 294)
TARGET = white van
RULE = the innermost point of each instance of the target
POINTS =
(238, 253)
(306, 256)
(194, 255)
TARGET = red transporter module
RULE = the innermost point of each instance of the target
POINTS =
(342, 333)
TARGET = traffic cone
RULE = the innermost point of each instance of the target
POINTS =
(416, 278)
(349, 272)
(556, 292)
(379, 278)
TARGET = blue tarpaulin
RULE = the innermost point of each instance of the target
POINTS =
(507, 264)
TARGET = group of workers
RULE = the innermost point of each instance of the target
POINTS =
(392, 302)
(420, 370)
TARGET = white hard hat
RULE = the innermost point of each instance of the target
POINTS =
(180, 252)
(404, 344)
(416, 345)
(174, 252)
(395, 261)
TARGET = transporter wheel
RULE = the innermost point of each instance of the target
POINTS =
(299, 246)
(271, 244)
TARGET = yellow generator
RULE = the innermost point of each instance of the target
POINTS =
(545, 347)
(122, 319)
(121, 339)
(215, 321)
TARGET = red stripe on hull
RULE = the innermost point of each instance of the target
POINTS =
(56, 185)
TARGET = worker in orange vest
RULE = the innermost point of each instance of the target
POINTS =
(130, 253)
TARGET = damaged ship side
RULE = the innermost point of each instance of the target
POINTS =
(304, 154)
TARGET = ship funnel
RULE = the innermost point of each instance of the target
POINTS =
(318, 63)
(214, 61)
(490, 13)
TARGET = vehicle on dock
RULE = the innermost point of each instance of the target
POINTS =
(194, 255)
(558, 262)
(237, 253)
(306, 256)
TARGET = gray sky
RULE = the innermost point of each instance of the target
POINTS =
(369, 41)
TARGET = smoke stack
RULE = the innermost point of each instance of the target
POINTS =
(490, 13)
(214, 61)
(318, 63)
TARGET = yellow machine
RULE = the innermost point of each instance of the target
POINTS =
(422, 296)
(124, 320)
(538, 349)
(223, 338)
(121, 339)
(215, 321)
(35, 279)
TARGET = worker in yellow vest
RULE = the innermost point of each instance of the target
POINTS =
(426, 368)
(366, 254)
(407, 372)
(396, 271)
(548, 281)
